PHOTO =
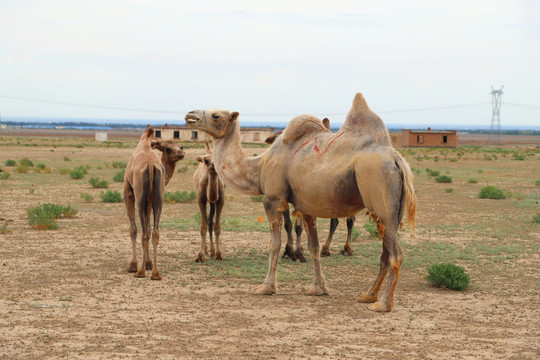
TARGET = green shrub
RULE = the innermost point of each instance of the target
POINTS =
(63, 171)
(180, 197)
(119, 176)
(449, 190)
(183, 169)
(371, 228)
(449, 276)
(259, 198)
(443, 179)
(491, 192)
(66, 158)
(98, 184)
(537, 183)
(3, 228)
(26, 162)
(44, 216)
(5, 176)
(41, 166)
(472, 181)
(119, 164)
(11, 163)
(111, 196)
(87, 197)
(432, 172)
(78, 172)
(21, 169)
(536, 218)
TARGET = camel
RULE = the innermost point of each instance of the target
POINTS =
(210, 189)
(144, 188)
(323, 174)
(325, 251)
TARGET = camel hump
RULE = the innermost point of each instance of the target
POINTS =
(301, 126)
(359, 104)
(148, 133)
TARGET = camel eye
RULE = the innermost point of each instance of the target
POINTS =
(168, 150)
(215, 116)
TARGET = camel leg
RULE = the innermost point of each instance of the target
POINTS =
(347, 250)
(299, 253)
(217, 227)
(211, 228)
(129, 200)
(155, 241)
(145, 224)
(319, 285)
(325, 251)
(372, 295)
(204, 228)
(273, 213)
(289, 252)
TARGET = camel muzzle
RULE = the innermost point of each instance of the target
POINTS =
(192, 118)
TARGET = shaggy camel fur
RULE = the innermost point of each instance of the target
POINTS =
(325, 251)
(210, 189)
(323, 174)
(144, 189)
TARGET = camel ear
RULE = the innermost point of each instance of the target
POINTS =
(326, 123)
(270, 139)
(157, 145)
(200, 159)
(207, 147)
(234, 115)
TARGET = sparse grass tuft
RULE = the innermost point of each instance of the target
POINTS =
(371, 228)
(119, 176)
(4, 229)
(536, 218)
(449, 190)
(11, 163)
(87, 197)
(259, 198)
(98, 184)
(26, 162)
(472, 181)
(180, 197)
(111, 196)
(443, 179)
(448, 276)
(119, 164)
(21, 169)
(78, 172)
(5, 175)
(44, 216)
(491, 192)
(183, 169)
(537, 183)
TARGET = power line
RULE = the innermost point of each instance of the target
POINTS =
(521, 105)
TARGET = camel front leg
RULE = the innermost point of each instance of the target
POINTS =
(217, 226)
(319, 283)
(273, 213)
(289, 252)
(347, 250)
(129, 200)
(204, 227)
(326, 247)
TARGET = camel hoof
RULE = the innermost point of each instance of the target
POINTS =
(264, 289)
(200, 258)
(139, 274)
(347, 251)
(149, 265)
(288, 253)
(366, 298)
(317, 290)
(325, 251)
(218, 256)
(155, 276)
(300, 256)
(132, 267)
(212, 252)
(379, 307)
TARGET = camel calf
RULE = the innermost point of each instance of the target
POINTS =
(144, 189)
(210, 189)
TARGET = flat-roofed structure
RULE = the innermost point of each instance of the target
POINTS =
(183, 133)
(426, 138)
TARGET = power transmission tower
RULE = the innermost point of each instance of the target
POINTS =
(495, 114)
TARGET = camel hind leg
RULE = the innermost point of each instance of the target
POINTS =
(289, 252)
(325, 251)
(319, 283)
(298, 252)
(347, 250)
(129, 200)
(217, 225)
(204, 227)
(157, 206)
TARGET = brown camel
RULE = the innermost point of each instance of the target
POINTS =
(323, 174)
(325, 251)
(210, 189)
(144, 189)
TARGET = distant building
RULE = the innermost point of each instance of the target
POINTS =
(419, 138)
(183, 133)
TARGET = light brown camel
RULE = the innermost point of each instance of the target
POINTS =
(323, 174)
(325, 251)
(210, 189)
(144, 188)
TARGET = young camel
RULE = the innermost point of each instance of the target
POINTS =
(144, 188)
(359, 162)
(298, 254)
(210, 189)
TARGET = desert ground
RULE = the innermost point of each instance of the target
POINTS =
(65, 293)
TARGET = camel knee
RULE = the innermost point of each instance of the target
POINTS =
(204, 228)
(217, 228)
(155, 237)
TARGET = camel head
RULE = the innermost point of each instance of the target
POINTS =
(214, 122)
(208, 162)
(171, 152)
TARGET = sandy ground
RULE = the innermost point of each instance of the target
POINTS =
(66, 292)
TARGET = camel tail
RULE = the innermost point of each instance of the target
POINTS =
(409, 194)
(147, 197)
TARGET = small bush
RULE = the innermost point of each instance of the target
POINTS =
(87, 197)
(3, 228)
(21, 169)
(26, 162)
(371, 228)
(98, 184)
(66, 158)
(41, 166)
(443, 179)
(432, 172)
(111, 196)
(44, 216)
(119, 164)
(449, 190)
(11, 163)
(183, 169)
(119, 176)
(472, 181)
(78, 172)
(448, 276)
(537, 183)
(259, 198)
(180, 197)
(5, 176)
(491, 192)
(536, 218)
(63, 171)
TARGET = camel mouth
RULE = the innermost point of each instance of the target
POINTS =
(192, 119)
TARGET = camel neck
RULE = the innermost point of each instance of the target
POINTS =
(233, 166)
(169, 169)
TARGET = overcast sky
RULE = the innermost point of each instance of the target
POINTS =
(271, 58)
